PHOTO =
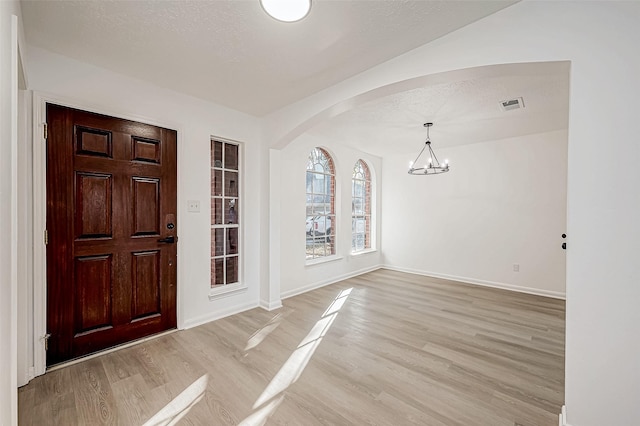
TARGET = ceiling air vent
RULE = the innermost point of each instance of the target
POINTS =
(512, 104)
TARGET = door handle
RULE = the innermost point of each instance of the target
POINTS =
(169, 240)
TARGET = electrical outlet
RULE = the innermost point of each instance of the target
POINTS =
(516, 267)
(193, 206)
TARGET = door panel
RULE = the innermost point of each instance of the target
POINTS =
(146, 206)
(93, 142)
(145, 289)
(93, 293)
(111, 192)
(93, 205)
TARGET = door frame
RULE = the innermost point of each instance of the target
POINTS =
(40, 100)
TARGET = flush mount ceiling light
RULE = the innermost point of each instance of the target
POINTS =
(431, 165)
(286, 10)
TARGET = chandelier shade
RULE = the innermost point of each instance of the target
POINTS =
(431, 164)
(286, 10)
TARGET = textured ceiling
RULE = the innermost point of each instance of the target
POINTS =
(230, 52)
(466, 109)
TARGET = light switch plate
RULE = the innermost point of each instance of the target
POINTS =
(193, 206)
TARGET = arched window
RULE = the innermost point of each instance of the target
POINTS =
(360, 207)
(321, 216)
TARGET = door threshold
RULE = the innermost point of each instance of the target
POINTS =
(107, 351)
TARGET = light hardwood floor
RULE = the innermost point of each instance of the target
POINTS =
(383, 348)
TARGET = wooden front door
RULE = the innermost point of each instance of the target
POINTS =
(111, 223)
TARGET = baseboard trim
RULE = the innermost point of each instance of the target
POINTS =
(492, 284)
(203, 319)
(562, 417)
(297, 291)
(271, 306)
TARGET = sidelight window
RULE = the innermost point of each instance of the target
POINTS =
(225, 217)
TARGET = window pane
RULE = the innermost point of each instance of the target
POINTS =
(231, 156)
(232, 270)
(216, 185)
(311, 225)
(359, 241)
(358, 188)
(217, 154)
(319, 247)
(216, 211)
(309, 248)
(217, 239)
(232, 241)
(360, 226)
(231, 184)
(329, 201)
(319, 186)
(231, 210)
(309, 182)
(218, 271)
(330, 220)
(358, 206)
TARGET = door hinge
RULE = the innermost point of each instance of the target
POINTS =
(46, 341)
(46, 237)
(45, 130)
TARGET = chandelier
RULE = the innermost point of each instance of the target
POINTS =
(432, 166)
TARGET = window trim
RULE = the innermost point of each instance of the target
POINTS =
(227, 290)
(325, 259)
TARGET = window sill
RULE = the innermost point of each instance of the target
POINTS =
(361, 252)
(321, 260)
(226, 291)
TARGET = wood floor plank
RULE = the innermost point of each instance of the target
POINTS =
(383, 348)
(92, 393)
(132, 399)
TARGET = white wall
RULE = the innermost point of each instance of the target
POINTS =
(601, 40)
(503, 203)
(295, 274)
(84, 86)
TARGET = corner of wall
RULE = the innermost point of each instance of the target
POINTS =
(271, 305)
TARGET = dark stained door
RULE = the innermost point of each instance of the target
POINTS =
(111, 208)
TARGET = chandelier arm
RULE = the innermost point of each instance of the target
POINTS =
(418, 157)
(433, 155)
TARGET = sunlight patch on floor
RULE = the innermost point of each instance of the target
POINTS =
(259, 417)
(179, 406)
(291, 370)
(261, 334)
